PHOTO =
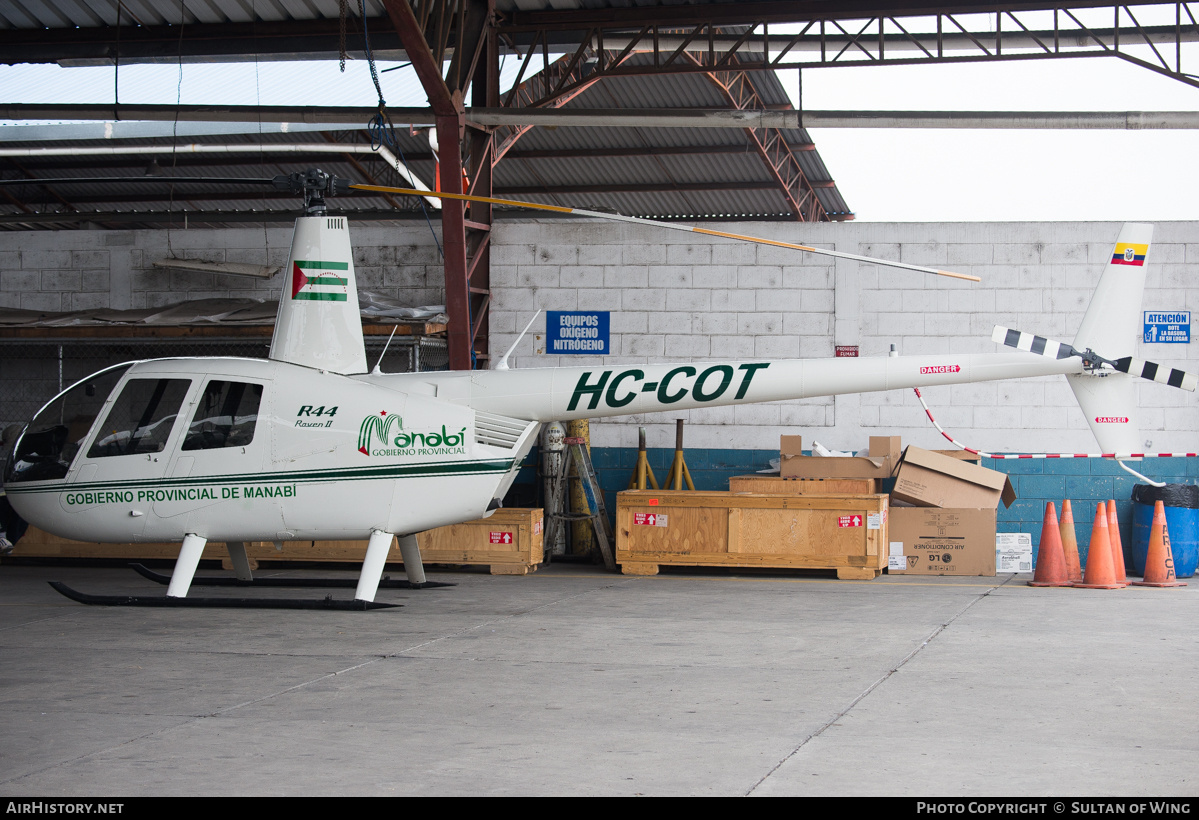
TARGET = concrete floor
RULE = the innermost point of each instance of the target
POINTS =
(577, 682)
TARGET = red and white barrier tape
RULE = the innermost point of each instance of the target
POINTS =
(1116, 456)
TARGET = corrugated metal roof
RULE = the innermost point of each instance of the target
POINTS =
(656, 172)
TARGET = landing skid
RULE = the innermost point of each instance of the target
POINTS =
(315, 583)
(233, 603)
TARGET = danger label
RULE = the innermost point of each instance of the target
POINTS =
(649, 519)
(501, 537)
(940, 368)
(849, 521)
(1112, 419)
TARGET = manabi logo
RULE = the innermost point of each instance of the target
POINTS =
(377, 430)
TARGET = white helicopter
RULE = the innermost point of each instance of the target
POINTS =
(310, 445)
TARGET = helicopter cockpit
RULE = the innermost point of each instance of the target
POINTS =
(138, 421)
(53, 438)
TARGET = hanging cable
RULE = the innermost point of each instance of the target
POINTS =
(1117, 457)
(175, 129)
(381, 131)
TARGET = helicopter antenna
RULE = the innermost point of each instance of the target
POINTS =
(378, 371)
(503, 362)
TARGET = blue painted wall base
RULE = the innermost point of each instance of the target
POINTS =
(1085, 481)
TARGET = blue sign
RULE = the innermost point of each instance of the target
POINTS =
(576, 332)
(1168, 328)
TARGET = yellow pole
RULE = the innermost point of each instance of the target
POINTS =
(678, 468)
(581, 532)
(642, 470)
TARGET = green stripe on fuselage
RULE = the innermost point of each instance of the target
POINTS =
(382, 473)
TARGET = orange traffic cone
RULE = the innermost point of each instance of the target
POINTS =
(1051, 558)
(1100, 572)
(1070, 543)
(1113, 534)
(1159, 562)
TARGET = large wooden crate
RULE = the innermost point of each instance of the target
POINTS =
(779, 485)
(846, 533)
(509, 542)
(41, 544)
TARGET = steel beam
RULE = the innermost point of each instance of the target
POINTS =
(632, 118)
(448, 112)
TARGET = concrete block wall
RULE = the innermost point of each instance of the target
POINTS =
(677, 296)
(83, 270)
(683, 296)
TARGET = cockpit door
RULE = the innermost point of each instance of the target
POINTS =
(124, 460)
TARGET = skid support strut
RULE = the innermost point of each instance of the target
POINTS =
(185, 565)
(372, 566)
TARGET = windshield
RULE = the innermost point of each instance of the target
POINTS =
(51, 441)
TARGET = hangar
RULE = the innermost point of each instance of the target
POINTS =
(667, 111)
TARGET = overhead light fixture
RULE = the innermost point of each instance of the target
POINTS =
(231, 268)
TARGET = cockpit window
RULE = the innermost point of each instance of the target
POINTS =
(53, 438)
(141, 419)
(225, 416)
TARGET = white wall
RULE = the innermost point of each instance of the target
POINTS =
(679, 296)
(685, 296)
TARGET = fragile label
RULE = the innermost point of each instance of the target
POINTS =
(649, 519)
(501, 537)
(537, 527)
(849, 521)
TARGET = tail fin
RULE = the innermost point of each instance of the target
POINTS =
(319, 324)
(1111, 327)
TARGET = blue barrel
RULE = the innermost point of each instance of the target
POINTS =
(1182, 520)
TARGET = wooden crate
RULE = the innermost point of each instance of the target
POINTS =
(778, 485)
(468, 543)
(41, 544)
(510, 542)
(847, 533)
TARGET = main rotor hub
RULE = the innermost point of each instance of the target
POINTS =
(314, 185)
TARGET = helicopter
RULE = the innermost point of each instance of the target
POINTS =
(310, 444)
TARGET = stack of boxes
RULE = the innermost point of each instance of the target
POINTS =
(829, 513)
(943, 508)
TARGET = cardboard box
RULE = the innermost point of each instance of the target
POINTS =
(928, 479)
(794, 464)
(934, 541)
(1013, 552)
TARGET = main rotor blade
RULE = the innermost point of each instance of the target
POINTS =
(141, 179)
(534, 206)
(1059, 350)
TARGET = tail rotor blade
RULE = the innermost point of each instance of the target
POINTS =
(1157, 373)
(1030, 343)
(1041, 346)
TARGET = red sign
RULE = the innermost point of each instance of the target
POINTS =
(849, 521)
(845, 351)
(649, 519)
(941, 368)
(501, 537)
(1112, 419)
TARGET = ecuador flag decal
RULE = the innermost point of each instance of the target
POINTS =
(1129, 253)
